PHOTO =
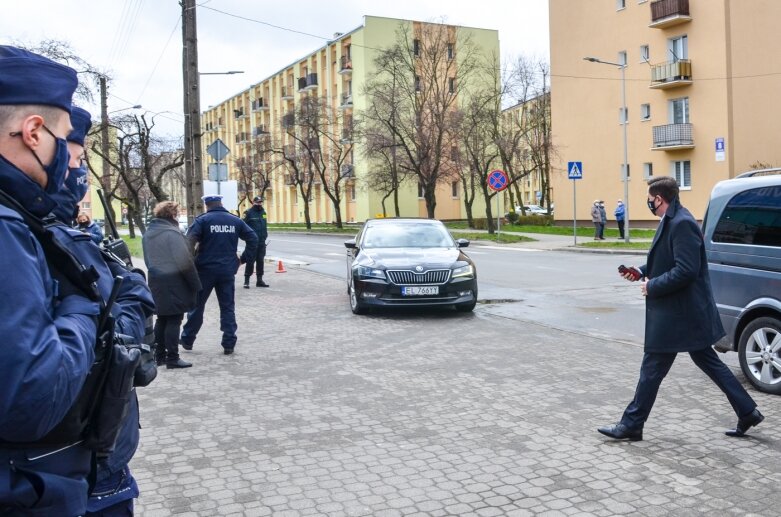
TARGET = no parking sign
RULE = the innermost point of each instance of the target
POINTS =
(497, 180)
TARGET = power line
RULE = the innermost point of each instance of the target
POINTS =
(165, 47)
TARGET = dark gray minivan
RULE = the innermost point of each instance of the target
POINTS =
(742, 230)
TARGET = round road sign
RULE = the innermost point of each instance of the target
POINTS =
(497, 180)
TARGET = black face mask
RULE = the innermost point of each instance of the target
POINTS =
(652, 206)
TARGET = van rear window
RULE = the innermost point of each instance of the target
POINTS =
(751, 217)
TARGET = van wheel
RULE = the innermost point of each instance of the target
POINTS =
(760, 354)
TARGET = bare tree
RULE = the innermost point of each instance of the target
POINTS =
(413, 97)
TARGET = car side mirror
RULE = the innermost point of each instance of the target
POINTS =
(462, 243)
(350, 244)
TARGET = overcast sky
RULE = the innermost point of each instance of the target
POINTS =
(139, 42)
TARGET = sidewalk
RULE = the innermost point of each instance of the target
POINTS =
(547, 242)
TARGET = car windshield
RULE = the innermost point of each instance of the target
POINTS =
(411, 235)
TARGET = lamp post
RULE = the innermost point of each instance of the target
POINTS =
(625, 172)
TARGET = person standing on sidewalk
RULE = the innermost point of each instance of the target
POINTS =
(173, 279)
(681, 315)
(596, 218)
(215, 236)
(255, 218)
(620, 212)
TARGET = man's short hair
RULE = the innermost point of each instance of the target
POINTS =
(664, 186)
(166, 210)
(10, 114)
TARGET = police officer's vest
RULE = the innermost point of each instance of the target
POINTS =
(66, 258)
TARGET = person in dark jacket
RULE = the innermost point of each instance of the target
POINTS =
(680, 313)
(173, 279)
(216, 236)
(255, 218)
(87, 226)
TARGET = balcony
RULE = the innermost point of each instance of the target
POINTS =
(311, 81)
(347, 136)
(239, 114)
(288, 121)
(290, 179)
(259, 130)
(347, 171)
(347, 100)
(671, 137)
(302, 84)
(287, 93)
(242, 138)
(668, 13)
(671, 74)
(259, 105)
(346, 66)
(289, 151)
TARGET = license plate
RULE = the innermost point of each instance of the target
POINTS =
(425, 290)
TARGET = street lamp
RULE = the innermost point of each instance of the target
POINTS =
(230, 72)
(622, 67)
(136, 107)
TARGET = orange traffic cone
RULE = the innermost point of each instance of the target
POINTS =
(281, 267)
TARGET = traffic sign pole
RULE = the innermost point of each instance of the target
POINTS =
(574, 172)
(497, 181)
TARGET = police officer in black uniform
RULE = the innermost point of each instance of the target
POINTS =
(215, 236)
(255, 217)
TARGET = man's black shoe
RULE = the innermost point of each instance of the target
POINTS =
(160, 361)
(261, 283)
(227, 351)
(745, 423)
(186, 346)
(246, 285)
(177, 364)
(621, 432)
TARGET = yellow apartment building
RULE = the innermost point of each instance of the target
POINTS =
(702, 81)
(337, 73)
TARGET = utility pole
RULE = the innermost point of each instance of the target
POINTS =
(193, 172)
(105, 177)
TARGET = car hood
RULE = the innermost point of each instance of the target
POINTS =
(406, 258)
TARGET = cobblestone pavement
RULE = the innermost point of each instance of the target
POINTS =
(320, 412)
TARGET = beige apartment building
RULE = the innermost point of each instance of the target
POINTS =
(702, 81)
(337, 73)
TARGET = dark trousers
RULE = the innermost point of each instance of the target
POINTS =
(260, 254)
(599, 230)
(621, 228)
(167, 336)
(656, 366)
(225, 287)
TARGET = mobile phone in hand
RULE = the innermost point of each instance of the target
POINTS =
(635, 273)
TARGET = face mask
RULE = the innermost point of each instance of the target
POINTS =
(55, 171)
(652, 205)
(77, 182)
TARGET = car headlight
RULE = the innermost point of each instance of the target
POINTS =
(467, 271)
(370, 272)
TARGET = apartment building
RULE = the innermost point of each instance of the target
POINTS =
(264, 115)
(701, 77)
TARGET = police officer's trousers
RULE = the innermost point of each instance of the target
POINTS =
(225, 287)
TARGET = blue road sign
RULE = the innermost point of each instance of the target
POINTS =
(497, 180)
(575, 170)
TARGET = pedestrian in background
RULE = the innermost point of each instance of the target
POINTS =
(255, 218)
(620, 212)
(87, 226)
(173, 279)
(215, 237)
(602, 219)
(596, 218)
(681, 315)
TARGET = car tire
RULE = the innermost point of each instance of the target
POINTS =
(760, 364)
(355, 304)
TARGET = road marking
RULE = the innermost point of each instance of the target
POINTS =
(309, 243)
(506, 249)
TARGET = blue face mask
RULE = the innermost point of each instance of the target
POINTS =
(77, 182)
(55, 171)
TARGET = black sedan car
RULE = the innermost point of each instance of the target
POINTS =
(409, 262)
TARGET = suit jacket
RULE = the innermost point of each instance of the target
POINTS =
(680, 313)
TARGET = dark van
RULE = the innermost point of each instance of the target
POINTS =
(742, 230)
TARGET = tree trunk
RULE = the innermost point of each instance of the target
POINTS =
(338, 215)
(489, 216)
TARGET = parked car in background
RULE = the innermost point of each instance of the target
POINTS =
(409, 262)
(183, 223)
(742, 232)
(532, 209)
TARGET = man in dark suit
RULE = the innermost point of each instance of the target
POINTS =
(681, 315)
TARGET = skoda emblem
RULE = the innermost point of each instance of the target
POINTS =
(418, 268)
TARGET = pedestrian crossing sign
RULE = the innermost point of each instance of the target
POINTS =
(575, 170)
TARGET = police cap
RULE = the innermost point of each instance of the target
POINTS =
(212, 198)
(27, 78)
(81, 121)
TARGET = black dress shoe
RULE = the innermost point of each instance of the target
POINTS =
(261, 283)
(227, 351)
(186, 346)
(621, 432)
(160, 361)
(745, 423)
(177, 364)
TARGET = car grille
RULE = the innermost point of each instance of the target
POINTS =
(432, 277)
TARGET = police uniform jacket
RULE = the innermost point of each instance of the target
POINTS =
(217, 234)
(255, 217)
(681, 314)
(172, 275)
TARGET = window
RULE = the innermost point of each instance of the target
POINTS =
(645, 53)
(451, 84)
(752, 217)
(348, 49)
(450, 51)
(620, 4)
(628, 171)
(645, 111)
(421, 191)
(682, 172)
(454, 154)
(679, 111)
(417, 83)
(86, 205)
(678, 48)
(622, 57)
(454, 189)
(623, 115)
(648, 170)
(416, 47)
(352, 192)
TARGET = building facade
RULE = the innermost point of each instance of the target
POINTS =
(702, 105)
(262, 117)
